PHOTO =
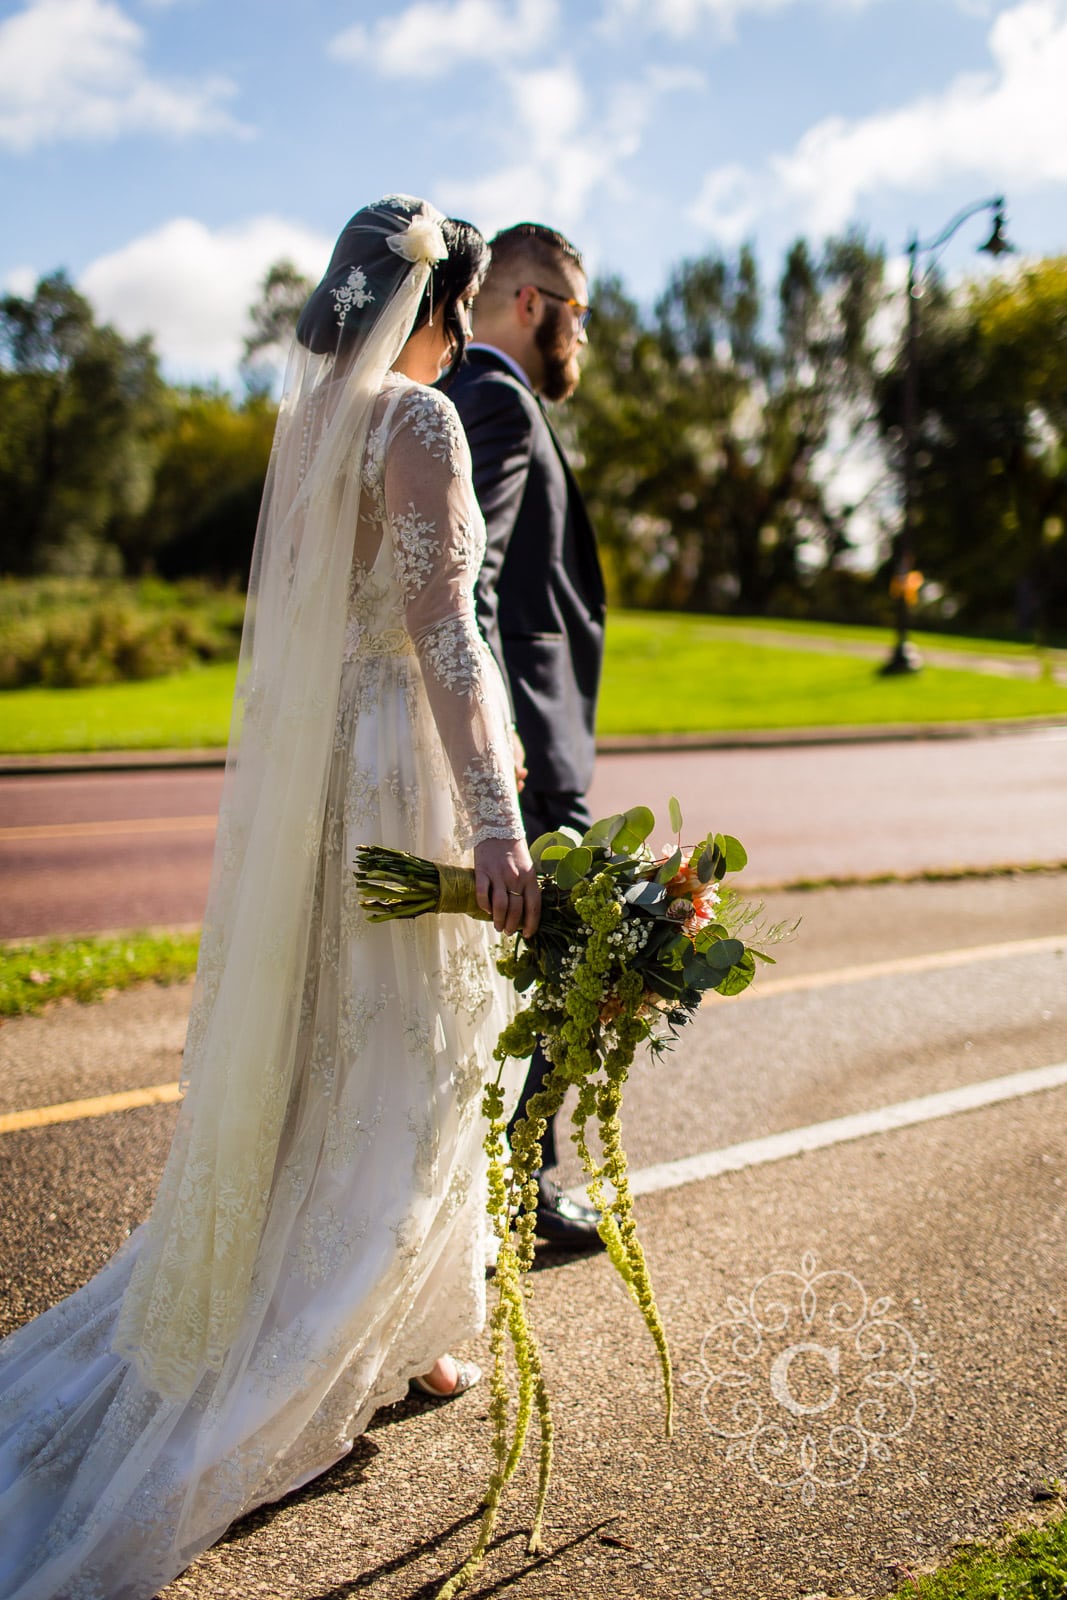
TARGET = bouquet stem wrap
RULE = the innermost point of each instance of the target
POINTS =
(457, 893)
(396, 885)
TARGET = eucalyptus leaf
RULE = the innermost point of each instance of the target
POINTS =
(661, 934)
(706, 863)
(646, 895)
(675, 814)
(662, 984)
(551, 857)
(573, 867)
(670, 868)
(739, 976)
(560, 839)
(698, 975)
(724, 953)
(604, 832)
(638, 823)
(733, 851)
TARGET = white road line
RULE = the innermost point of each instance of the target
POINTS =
(840, 1130)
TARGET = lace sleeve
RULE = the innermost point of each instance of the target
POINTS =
(438, 541)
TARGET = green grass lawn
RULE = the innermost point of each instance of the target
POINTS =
(188, 711)
(663, 674)
(671, 673)
(1030, 1566)
(33, 973)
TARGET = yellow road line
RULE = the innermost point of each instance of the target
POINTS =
(934, 961)
(159, 1094)
(767, 988)
(88, 830)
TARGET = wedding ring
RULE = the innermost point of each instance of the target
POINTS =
(516, 892)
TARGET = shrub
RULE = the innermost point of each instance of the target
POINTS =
(65, 634)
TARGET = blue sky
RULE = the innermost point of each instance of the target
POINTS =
(166, 151)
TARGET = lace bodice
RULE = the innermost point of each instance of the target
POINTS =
(418, 550)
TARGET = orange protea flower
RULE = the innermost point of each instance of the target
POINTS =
(704, 897)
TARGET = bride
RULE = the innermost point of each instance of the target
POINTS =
(318, 1239)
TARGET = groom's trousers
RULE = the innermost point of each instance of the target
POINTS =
(543, 812)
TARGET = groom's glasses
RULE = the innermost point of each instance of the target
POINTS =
(581, 313)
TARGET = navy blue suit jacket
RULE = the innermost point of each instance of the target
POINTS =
(540, 595)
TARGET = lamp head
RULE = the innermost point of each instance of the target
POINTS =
(996, 244)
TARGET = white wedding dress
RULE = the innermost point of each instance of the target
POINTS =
(372, 1257)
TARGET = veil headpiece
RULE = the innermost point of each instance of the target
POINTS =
(195, 1269)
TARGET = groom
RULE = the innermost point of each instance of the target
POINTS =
(540, 596)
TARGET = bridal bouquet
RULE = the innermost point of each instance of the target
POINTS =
(628, 944)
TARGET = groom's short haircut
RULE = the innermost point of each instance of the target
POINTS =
(530, 245)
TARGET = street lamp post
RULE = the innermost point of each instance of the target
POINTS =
(905, 656)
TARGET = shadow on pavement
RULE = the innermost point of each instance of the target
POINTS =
(426, 1591)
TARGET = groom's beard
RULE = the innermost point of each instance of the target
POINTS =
(559, 355)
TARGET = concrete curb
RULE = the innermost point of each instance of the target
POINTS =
(89, 761)
(788, 738)
(12, 766)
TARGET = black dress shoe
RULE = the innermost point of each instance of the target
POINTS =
(566, 1223)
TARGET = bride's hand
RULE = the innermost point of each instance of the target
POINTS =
(506, 885)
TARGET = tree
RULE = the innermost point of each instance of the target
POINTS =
(273, 320)
(201, 518)
(702, 428)
(991, 448)
(79, 410)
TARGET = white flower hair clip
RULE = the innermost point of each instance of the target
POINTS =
(422, 240)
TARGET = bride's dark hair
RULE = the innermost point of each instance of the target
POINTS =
(363, 272)
(451, 280)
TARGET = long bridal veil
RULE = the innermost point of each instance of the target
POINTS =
(190, 1285)
(317, 1235)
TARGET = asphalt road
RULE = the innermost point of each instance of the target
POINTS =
(885, 994)
(96, 851)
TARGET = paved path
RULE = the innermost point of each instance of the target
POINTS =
(1029, 665)
(107, 850)
(961, 1222)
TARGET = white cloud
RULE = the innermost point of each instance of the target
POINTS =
(74, 69)
(191, 286)
(682, 17)
(1006, 127)
(21, 281)
(433, 37)
(564, 149)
